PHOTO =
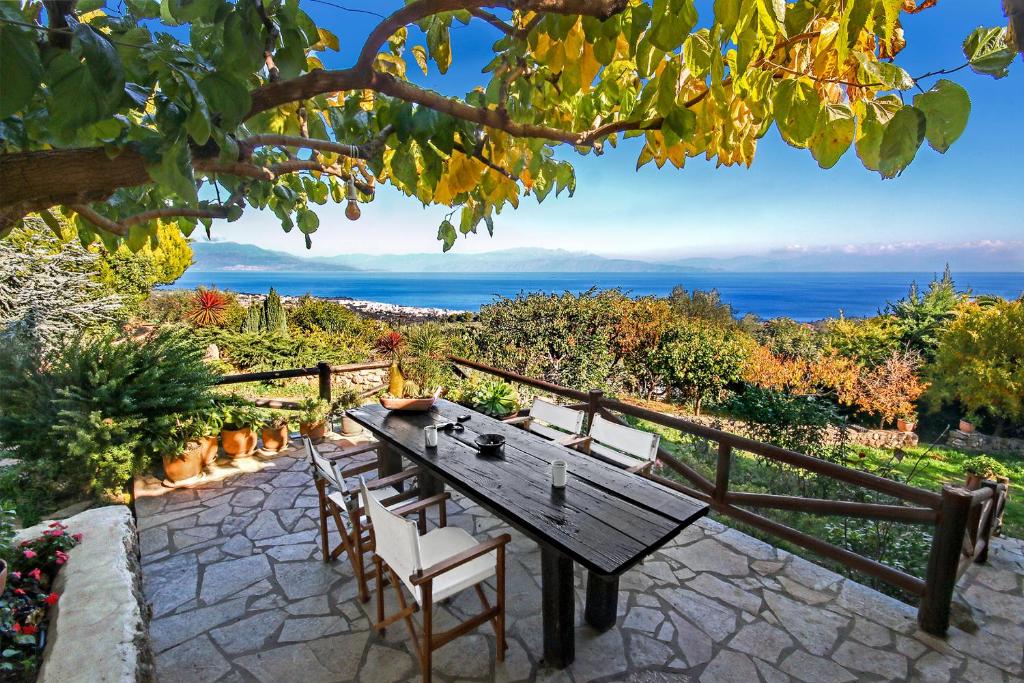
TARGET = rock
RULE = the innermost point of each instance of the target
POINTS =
(248, 634)
(643, 619)
(305, 579)
(385, 665)
(880, 662)
(708, 585)
(264, 526)
(311, 628)
(761, 640)
(710, 556)
(196, 660)
(815, 627)
(100, 620)
(729, 667)
(812, 669)
(713, 618)
(169, 631)
(223, 579)
(645, 651)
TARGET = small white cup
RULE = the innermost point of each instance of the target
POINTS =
(430, 435)
(558, 474)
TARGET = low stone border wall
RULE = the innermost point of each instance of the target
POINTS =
(99, 629)
(882, 438)
(984, 443)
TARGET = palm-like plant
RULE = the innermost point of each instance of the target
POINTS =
(391, 345)
(208, 308)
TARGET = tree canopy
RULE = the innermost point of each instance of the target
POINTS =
(197, 109)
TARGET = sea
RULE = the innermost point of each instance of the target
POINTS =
(801, 296)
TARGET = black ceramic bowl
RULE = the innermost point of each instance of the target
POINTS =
(490, 444)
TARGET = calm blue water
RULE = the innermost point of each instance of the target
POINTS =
(801, 296)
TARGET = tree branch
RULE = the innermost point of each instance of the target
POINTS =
(174, 212)
(99, 221)
(494, 21)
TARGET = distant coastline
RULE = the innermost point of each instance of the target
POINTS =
(805, 297)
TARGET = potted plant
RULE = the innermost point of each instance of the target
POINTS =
(907, 423)
(237, 434)
(210, 424)
(313, 418)
(391, 346)
(182, 451)
(980, 468)
(968, 423)
(348, 398)
(275, 432)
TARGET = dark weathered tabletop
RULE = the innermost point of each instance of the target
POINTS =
(606, 519)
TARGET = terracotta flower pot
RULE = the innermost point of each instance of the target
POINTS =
(350, 426)
(185, 466)
(973, 482)
(315, 432)
(275, 438)
(905, 425)
(966, 427)
(238, 443)
(209, 448)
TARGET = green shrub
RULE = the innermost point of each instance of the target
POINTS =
(256, 352)
(310, 314)
(99, 409)
(697, 360)
(495, 398)
(985, 467)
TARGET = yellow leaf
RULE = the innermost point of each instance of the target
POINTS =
(328, 39)
(589, 66)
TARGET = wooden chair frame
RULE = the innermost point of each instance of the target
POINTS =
(424, 579)
(356, 537)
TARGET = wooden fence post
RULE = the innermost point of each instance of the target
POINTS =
(944, 560)
(594, 397)
(722, 472)
(988, 524)
(324, 373)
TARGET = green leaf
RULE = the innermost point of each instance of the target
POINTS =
(439, 44)
(307, 221)
(668, 86)
(21, 70)
(796, 111)
(102, 60)
(833, 134)
(946, 108)
(727, 13)
(679, 125)
(887, 76)
(988, 52)
(75, 101)
(174, 172)
(697, 51)
(228, 96)
(900, 141)
(234, 213)
(446, 234)
(871, 126)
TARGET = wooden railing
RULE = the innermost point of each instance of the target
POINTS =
(323, 371)
(962, 521)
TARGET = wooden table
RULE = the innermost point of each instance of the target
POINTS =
(605, 518)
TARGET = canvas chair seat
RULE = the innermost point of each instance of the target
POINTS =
(445, 542)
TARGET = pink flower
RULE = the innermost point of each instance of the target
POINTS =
(27, 629)
(62, 557)
(77, 537)
(16, 575)
(35, 574)
(52, 598)
(30, 554)
(19, 591)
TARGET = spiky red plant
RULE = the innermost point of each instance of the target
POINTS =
(391, 345)
(208, 308)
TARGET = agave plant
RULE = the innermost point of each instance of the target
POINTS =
(208, 308)
(391, 345)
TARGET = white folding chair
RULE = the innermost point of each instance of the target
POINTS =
(340, 502)
(434, 566)
(551, 421)
(631, 449)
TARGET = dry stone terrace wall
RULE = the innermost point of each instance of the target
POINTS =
(983, 443)
(876, 438)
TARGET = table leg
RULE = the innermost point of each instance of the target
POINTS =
(429, 484)
(558, 602)
(602, 601)
(389, 461)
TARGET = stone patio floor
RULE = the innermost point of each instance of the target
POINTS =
(238, 590)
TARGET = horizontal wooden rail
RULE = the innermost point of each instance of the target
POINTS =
(811, 464)
(268, 375)
(523, 379)
(895, 513)
(912, 584)
(357, 367)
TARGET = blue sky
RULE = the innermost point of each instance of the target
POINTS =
(783, 201)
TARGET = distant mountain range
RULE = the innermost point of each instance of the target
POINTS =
(985, 256)
(220, 256)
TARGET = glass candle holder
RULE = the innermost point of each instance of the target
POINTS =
(558, 474)
(430, 436)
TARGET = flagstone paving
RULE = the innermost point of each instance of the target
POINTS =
(239, 592)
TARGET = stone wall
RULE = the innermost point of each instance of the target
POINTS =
(882, 438)
(361, 381)
(977, 442)
(99, 629)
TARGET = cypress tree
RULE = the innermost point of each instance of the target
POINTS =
(275, 320)
(253, 318)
